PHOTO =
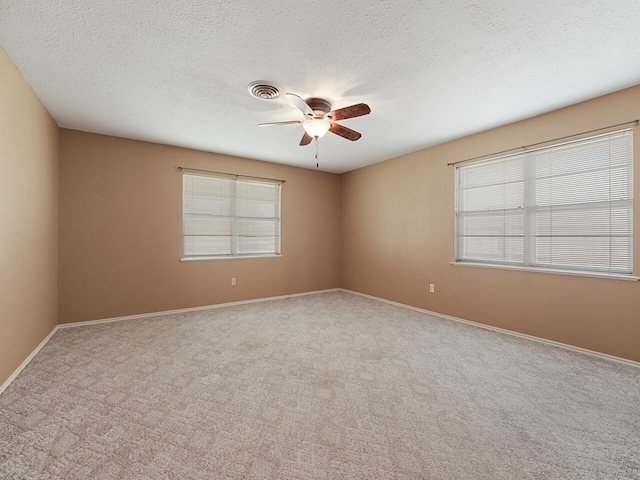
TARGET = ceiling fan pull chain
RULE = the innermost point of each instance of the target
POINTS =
(317, 163)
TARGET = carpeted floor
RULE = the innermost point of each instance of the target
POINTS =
(326, 386)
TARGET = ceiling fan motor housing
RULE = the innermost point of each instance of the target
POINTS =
(320, 106)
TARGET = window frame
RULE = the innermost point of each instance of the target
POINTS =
(529, 236)
(234, 217)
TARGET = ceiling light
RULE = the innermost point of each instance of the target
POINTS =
(316, 127)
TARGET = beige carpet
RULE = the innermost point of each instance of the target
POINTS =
(326, 386)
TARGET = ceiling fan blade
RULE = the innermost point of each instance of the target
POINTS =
(349, 112)
(279, 123)
(300, 103)
(306, 139)
(344, 132)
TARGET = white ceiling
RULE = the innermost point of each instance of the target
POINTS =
(176, 72)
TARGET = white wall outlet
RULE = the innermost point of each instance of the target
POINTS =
(432, 288)
(233, 280)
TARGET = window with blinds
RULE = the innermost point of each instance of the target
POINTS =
(224, 216)
(565, 207)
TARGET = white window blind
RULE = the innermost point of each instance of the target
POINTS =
(226, 216)
(566, 207)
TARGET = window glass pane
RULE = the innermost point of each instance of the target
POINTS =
(583, 187)
(256, 191)
(256, 208)
(494, 197)
(493, 223)
(592, 253)
(256, 228)
(209, 204)
(194, 224)
(257, 245)
(206, 245)
(505, 170)
(500, 250)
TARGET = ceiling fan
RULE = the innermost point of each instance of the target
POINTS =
(319, 118)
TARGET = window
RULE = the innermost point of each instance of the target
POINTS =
(224, 216)
(565, 207)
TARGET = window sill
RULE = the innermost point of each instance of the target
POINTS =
(611, 276)
(197, 259)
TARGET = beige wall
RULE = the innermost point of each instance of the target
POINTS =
(120, 231)
(386, 230)
(28, 213)
(398, 237)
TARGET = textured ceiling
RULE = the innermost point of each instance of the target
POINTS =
(177, 72)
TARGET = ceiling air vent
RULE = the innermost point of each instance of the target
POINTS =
(263, 90)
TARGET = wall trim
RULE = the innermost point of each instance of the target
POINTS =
(17, 371)
(190, 309)
(565, 346)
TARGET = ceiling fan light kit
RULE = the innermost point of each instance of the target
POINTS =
(316, 127)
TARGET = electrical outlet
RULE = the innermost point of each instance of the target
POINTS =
(432, 288)
(233, 280)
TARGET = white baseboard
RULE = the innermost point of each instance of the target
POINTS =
(565, 346)
(17, 371)
(191, 309)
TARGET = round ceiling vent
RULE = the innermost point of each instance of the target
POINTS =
(264, 91)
